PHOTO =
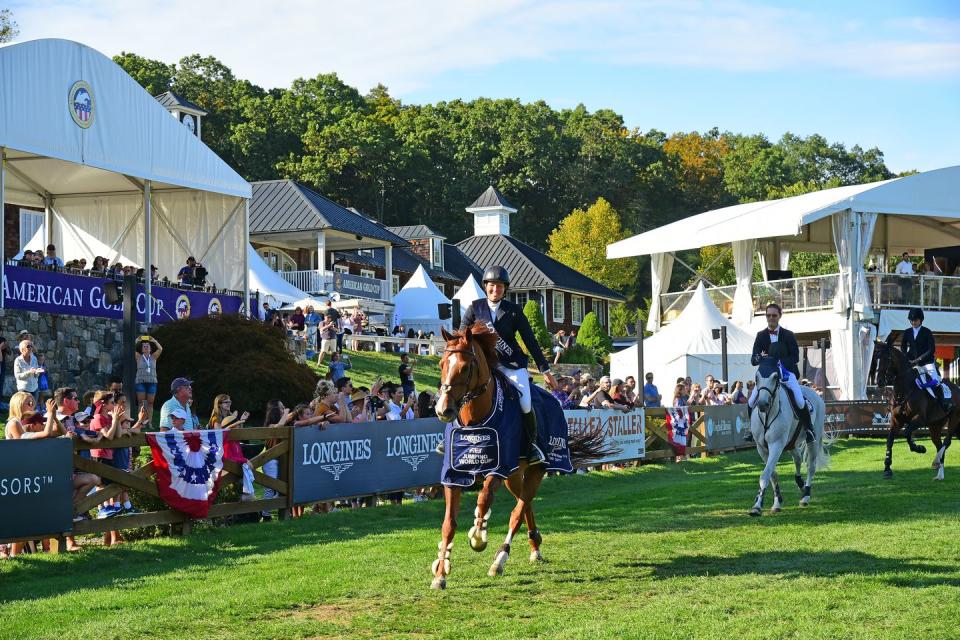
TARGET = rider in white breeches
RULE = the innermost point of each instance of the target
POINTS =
(791, 383)
(919, 346)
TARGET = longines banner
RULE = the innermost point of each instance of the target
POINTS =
(345, 460)
(623, 431)
(36, 487)
(69, 294)
(857, 416)
(726, 426)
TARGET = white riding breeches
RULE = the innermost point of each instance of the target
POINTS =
(790, 382)
(519, 380)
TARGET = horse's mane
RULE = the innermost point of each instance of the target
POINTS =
(484, 336)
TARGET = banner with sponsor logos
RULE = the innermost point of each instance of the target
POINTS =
(726, 426)
(36, 487)
(70, 294)
(858, 416)
(344, 460)
(623, 431)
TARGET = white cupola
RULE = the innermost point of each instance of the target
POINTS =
(491, 213)
(183, 110)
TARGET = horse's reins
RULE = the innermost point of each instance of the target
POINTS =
(471, 394)
(766, 414)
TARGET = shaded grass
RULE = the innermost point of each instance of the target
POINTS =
(659, 551)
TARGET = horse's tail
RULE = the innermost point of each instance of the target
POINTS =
(588, 446)
(820, 451)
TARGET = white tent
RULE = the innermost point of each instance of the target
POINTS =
(469, 292)
(415, 306)
(686, 347)
(271, 285)
(116, 174)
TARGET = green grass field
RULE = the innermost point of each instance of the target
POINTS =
(655, 552)
(367, 365)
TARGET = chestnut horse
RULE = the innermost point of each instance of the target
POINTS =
(912, 407)
(467, 393)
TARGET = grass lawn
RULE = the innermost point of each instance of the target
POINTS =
(655, 552)
(367, 365)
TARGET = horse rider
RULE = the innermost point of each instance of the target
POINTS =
(918, 345)
(781, 345)
(507, 319)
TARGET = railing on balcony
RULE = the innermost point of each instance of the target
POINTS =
(814, 293)
(316, 282)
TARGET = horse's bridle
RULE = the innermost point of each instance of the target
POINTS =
(471, 394)
(773, 394)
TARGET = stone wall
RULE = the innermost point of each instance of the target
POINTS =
(80, 352)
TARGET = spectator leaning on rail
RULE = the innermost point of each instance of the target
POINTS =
(51, 261)
(182, 390)
(27, 370)
(651, 395)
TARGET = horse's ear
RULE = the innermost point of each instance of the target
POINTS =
(468, 334)
(447, 336)
(890, 339)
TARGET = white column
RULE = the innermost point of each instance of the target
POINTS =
(321, 278)
(148, 250)
(251, 312)
(48, 219)
(3, 220)
(388, 264)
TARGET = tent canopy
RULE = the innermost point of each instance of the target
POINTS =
(84, 140)
(676, 349)
(271, 285)
(415, 306)
(922, 210)
(469, 292)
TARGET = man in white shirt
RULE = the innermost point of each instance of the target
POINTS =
(904, 267)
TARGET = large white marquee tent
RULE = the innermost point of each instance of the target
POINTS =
(115, 174)
(415, 306)
(686, 347)
(888, 217)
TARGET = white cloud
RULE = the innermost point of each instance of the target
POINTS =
(406, 44)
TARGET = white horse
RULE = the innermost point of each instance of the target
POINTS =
(774, 425)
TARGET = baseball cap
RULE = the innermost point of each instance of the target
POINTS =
(179, 413)
(180, 382)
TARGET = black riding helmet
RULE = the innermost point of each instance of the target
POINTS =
(915, 314)
(496, 274)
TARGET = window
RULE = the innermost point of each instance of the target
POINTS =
(576, 309)
(366, 252)
(277, 259)
(436, 253)
(30, 223)
(521, 297)
(341, 268)
(396, 285)
(367, 273)
(558, 315)
(598, 311)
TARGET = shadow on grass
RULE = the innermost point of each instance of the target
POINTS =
(796, 564)
(710, 494)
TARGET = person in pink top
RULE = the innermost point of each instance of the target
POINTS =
(106, 421)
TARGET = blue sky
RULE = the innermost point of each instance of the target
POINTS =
(883, 74)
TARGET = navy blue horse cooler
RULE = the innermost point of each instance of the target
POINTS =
(495, 446)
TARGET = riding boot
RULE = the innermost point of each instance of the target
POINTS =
(748, 437)
(945, 403)
(807, 423)
(534, 455)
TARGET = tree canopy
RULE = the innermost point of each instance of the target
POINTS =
(9, 29)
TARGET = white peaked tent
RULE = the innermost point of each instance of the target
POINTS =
(415, 306)
(469, 292)
(686, 347)
(271, 285)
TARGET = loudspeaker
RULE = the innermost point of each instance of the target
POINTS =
(112, 292)
(444, 309)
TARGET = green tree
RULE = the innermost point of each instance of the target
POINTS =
(153, 75)
(535, 317)
(592, 335)
(581, 240)
(9, 29)
(623, 320)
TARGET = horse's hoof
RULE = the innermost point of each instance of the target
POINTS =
(536, 556)
(775, 509)
(755, 512)
(805, 501)
(919, 449)
(477, 541)
(438, 583)
(887, 473)
(496, 569)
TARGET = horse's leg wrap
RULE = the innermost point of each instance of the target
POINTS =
(443, 555)
(500, 560)
(799, 480)
(535, 537)
(478, 532)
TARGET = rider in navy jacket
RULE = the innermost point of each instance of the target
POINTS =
(781, 345)
(507, 320)
(919, 346)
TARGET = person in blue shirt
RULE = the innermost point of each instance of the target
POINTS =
(182, 390)
(651, 395)
(51, 260)
(339, 364)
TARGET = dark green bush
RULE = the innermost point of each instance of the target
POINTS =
(245, 358)
(579, 354)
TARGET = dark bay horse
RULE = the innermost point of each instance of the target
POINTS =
(467, 393)
(912, 407)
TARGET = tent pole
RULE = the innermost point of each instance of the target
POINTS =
(48, 218)
(3, 221)
(246, 266)
(148, 250)
(388, 268)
